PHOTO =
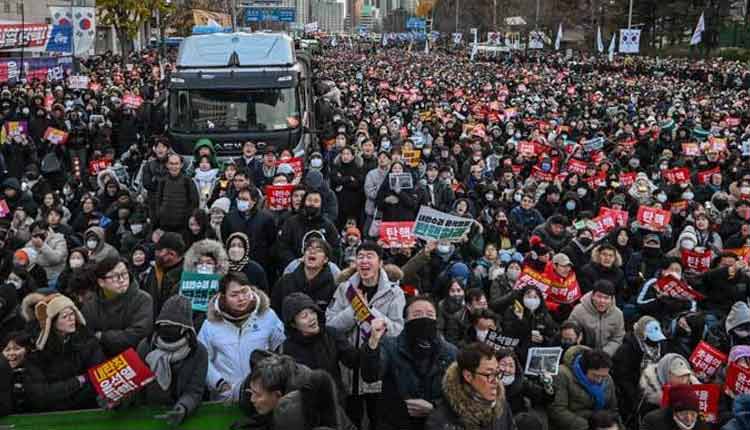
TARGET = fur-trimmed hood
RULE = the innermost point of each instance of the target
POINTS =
(210, 247)
(595, 257)
(652, 387)
(28, 304)
(473, 414)
(216, 315)
(395, 274)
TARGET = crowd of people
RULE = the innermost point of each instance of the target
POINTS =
(537, 150)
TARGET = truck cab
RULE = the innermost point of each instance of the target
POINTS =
(238, 87)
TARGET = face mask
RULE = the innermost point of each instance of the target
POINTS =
(585, 241)
(571, 205)
(482, 335)
(136, 228)
(684, 426)
(443, 249)
(76, 263)
(169, 333)
(661, 198)
(742, 333)
(385, 145)
(565, 344)
(531, 303)
(91, 243)
(508, 379)
(316, 163)
(634, 163)
(489, 196)
(688, 196)
(687, 244)
(311, 211)
(421, 332)
(205, 269)
(15, 282)
(236, 253)
(426, 152)
(457, 301)
(513, 274)
(581, 192)
(243, 206)
(518, 198)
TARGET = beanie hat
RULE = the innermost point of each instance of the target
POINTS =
(222, 204)
(353, 231)
(739, 351)
(171, 240)
(459, 270)
(22, 256)
(688, 234)
(177, 311)
(47, 309)
(683, 398)
(537, 246)
(740, 314)
(296, 303)
(605, 287)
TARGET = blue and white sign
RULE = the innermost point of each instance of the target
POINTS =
(416, 24)
(60, 39)
(279, 14)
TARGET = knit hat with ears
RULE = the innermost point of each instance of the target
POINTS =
(47, 309)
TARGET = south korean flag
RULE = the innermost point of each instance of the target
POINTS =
(630, 41)
(457, 38)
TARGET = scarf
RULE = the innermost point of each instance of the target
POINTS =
(236, 319)
(596, 391)
(161, 358)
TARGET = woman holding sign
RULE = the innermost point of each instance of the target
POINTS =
(397, 198)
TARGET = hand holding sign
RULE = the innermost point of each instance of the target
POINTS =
(377, 330)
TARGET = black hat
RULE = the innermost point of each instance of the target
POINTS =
(605, 287)
(177, 311)
(296, 303)
(173, 241)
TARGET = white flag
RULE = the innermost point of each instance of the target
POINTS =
(427, 46)
(559, 37)
(612, 47)
(698, 33)
(630, 41)
(599, 42)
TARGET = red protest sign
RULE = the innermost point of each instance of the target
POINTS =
(4, 209)
(708, 399)
(526, 148)
(737, 380)
(49, 100)
(542, 175)
(704, 176)
(397, 234)
(627, 179)
(96, 166)
(133, 102)
(698, 262)
(296, 164)
(706, 360)
(577, 166)
(621, 217)
(691, 149)
(733, 122)
(677, 175)
(652, 218)
(120, 376)
(565, 291)
(279, 197)
(677, 288)
(603, 225)
(55, 136)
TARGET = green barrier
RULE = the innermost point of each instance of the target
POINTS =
(209, 416)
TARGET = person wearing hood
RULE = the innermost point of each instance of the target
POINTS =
(65, 350)
(453, 315)
(239, 321)
(732, 223)
(672, 369)
(601, 320)
(256, 223)
(198, 228)
(393, 202)
(311, 343)
(121, 314)
(682, 413)
(621, 239)
(217, 212)
(582, 386)
(528, 320)
(553, 233)
(652, 302)
(51, 250)
(645, 264)
(206, 257)
(95, 242)
(138, 230)
(410, 365)
(313, 277)
(238, 252)
(641, 348)
(473, 396)
(736, 328)
(155, 170)
(579, 249)
(606, 263)
(178, 360)
(373, 180)
(329, 207)
(503, 279)
(386, 301)
(309, 222)
(347, 180)
(204, 147)
(526, 394)
(176, 197)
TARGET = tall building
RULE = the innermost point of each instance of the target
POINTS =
(353, 12)
(329, 14)
(370, 17)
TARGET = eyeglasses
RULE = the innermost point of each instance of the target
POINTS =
(122, 276)
(492, 376)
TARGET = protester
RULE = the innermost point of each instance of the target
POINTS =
(313, 277)
(163, 279)
(683, 412)
(600, 318)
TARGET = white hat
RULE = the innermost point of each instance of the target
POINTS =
(221, 203)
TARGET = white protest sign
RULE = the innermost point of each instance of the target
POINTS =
(435, 225)
(543, 360)
(404, 181)
(78, 82)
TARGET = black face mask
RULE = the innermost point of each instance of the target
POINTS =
(421, 334)
(651, 252)
(311, 212)
(585, 241)
(169, 333)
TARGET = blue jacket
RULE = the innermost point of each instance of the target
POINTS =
(522, 219)
(741, 420)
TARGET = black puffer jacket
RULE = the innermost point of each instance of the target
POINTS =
(176, 198)
(296, 228)
(320, 288)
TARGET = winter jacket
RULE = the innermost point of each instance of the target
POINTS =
(188, 379)
(652, 388)
(347, 181)
(403, 378)
(663, 419)
(176, 198)
(206, 247)
(229, 346)
(459, 410)
(594, 271)
(294, 407)
(524, 221)
(6, 388)
(579, 255)
(52, 255)
(603, 331)
(404, 209)
(21, 199)
(52, 373)
(556, 242)
(521, 329)
(123, 320)
(665, 308)
(103, 250)
(320, 288)
(329, 206)
(161, 291)
(722, 291)
(573, 405)
(627, 365)
(297, 228)
(453, 321)
(438, 195)
(373, 180)
(260, 229)
(387, 303)
(741, 409)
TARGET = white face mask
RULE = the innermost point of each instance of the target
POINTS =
(508, 379)
(316, 163)
(513, 274)
(482, 335)
(687, 244)
(205, 269)
(236, 253)
(243, 205)
(531, 303)
(581, 192)
(661, 198)
(136, 228)
(91, 244)
(76, 263)
(443, 249)
(684, 426)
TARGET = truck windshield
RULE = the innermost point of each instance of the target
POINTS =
(217, 111)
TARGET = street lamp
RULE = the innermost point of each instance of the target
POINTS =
(23, 37)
